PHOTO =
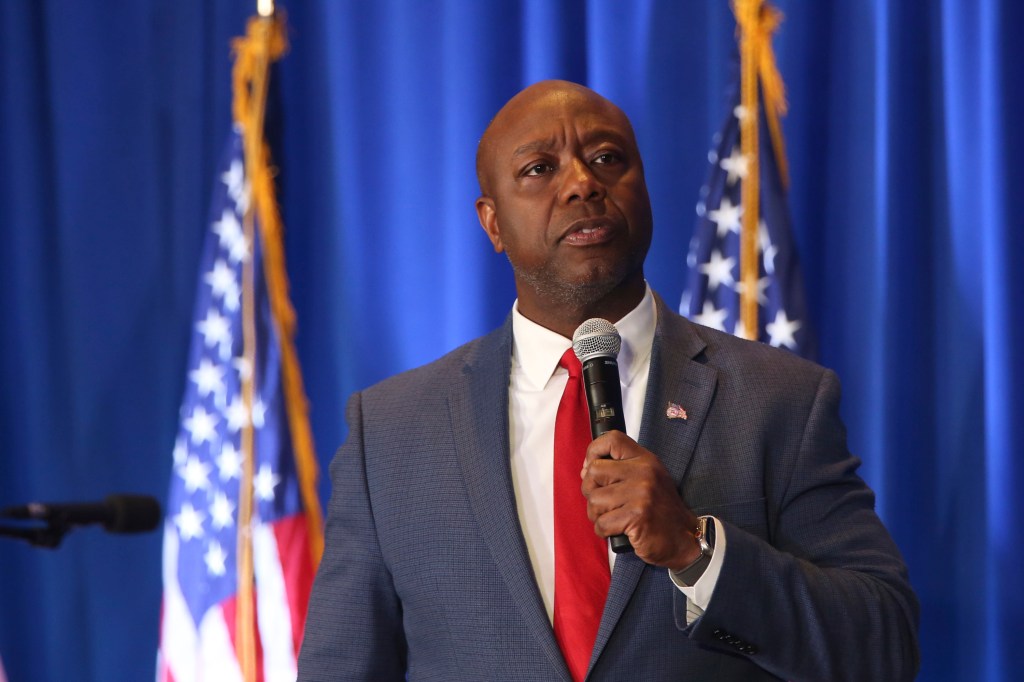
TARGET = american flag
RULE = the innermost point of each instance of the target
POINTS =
(712, 293)
(198, 635)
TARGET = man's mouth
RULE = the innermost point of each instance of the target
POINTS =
(589, 231)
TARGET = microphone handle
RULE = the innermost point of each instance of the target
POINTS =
(604, 398)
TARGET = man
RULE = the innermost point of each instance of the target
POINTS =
(757, 553)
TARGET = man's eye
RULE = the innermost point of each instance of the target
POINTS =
(605, 158)
(538, 169)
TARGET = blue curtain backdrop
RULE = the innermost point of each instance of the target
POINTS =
(905, 152)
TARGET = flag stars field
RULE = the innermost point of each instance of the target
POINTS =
(180, 453)
(264, 483)
(236, 414)
(718, 270)
(208, 378)
(224, 285)
(216, 332)
(196, 474)
(228, 229)
(234, 179)
(201, 425)
(768, 250)
(229, 462)
(761, 285)
(736, 166)
(189, 522)
(240, 250)
(243, 367)
(215, 559)
(726, 217)
(712, 317)
(259, 413)
(222, 511)
(781, 331)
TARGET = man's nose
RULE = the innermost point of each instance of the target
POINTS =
(580, 183)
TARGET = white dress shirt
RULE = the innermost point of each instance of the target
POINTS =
(535, 388)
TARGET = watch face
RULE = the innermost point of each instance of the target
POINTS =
(707, 532)
(705, 548)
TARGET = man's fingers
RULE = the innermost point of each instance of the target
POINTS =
(612, 445)
(603, 472)
(603, 500)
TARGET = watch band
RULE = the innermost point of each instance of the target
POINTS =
(705, 536)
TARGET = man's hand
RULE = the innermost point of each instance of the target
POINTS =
(633, 494)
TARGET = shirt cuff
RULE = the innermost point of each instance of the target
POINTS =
(698, 595)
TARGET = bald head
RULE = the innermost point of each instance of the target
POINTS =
(549, 95)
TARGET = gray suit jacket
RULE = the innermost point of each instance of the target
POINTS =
(426, 572)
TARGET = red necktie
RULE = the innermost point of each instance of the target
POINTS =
(581, 557)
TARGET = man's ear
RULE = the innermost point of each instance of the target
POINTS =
(488, 218)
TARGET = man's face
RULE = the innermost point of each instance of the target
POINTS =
(564, 196)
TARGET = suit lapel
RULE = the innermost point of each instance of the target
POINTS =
(675, 377)
(478, 405)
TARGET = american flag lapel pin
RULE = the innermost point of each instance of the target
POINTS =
(675, 412)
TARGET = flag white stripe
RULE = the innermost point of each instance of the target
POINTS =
(219, 662)
(177, 633)
(272, 607)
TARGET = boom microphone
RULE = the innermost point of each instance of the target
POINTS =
(596, 343)
(117, 513)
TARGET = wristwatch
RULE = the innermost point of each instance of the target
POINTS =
(705, 536)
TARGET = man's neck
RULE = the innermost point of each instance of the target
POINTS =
(565, 319)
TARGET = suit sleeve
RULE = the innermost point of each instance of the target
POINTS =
(354, 625)
(828, 598)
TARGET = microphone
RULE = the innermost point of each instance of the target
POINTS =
(117, 513)
(596, 343)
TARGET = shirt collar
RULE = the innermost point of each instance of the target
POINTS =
(536, 350)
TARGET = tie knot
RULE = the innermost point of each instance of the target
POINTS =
(572, 363)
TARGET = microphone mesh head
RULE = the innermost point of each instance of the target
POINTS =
(596, 337)
(132, 513)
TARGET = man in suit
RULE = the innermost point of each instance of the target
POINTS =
(757, 552)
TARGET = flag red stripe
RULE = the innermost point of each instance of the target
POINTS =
(293, 533)
(229, 607)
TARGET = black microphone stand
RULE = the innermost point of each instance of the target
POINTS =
(49, 535)
(121, 513)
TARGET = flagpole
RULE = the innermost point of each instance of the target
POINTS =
(249, 110)
(264, 43)
(746, 16)
(756, 22)
(250, 77)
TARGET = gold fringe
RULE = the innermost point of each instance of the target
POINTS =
(264, 43)
(756, 23)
